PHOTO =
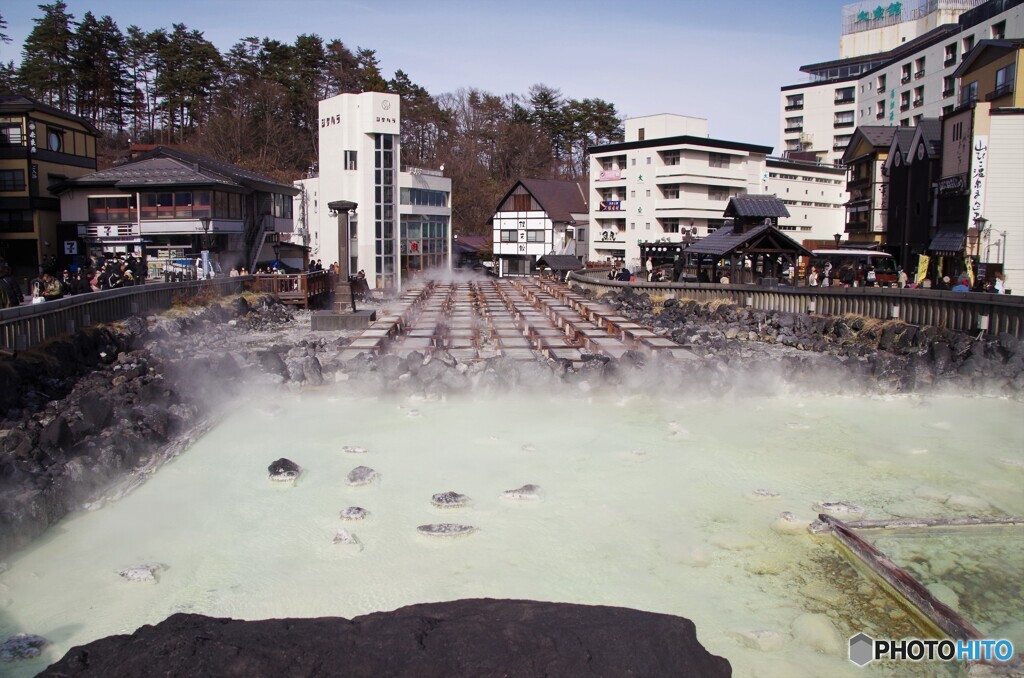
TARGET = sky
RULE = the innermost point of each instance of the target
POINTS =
(723, 61)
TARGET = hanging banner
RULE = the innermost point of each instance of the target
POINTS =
(979, 161)
(922, 268)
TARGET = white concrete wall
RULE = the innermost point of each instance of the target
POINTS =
(1004, 199)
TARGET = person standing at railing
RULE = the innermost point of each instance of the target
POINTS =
(10, 292)
(53, 287)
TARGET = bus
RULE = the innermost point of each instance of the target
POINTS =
(870, 266)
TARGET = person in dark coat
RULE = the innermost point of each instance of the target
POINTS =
(677, 268)
(624, 275)
(10, 291)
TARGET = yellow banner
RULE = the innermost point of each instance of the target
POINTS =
(922, 268)
(970, 270)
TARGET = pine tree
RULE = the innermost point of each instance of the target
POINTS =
(46, 70)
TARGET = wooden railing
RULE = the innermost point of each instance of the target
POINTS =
(23, 327)
(294, 288)
(964, 311)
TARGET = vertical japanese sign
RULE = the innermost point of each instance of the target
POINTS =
(979, 160)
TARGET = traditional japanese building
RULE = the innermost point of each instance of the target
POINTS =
(40, 146)
(538, 217)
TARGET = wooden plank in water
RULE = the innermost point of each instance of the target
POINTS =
(942, 616)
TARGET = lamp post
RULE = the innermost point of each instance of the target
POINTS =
(205, 254)
(837, 237)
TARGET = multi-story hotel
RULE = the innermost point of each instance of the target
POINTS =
(814, 195)
(668, 182)
(896, 68)
(402, 222)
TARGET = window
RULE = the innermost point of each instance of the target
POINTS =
(632, 225)
(508, 236)
(919, 96)
(715, 224)
(350, 160)
(669, 225)
(633, 162)
(282, 208)
(904, 101)
(112, 209)
(670, 191)
(917, 119)
(948, 86)
(648, 160)
(12, 180)
(794, 102)
(879, 110)
(950, 57)
(1004, 82)
(794, 124)
(670, 157)
(881, 83)
(535, 236)
(648, 193)
(423, 196)
(845, 95)
(11, 135)
(16, 221)
(647, 226)
(969, 93)
(968, 44)
(55, 140)
(718, 193)
(946, 110)
(718, 160)
(632, 194)
(640, 133)
(919, 68)
(904, 122)
(905, 74)
(999, 30)
(841, 142)
(843, 119)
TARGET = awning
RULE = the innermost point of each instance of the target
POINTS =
(947, 243)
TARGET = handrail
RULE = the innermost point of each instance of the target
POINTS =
(29, 325)
(962, 311)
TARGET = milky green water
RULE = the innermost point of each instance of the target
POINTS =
(647, 503)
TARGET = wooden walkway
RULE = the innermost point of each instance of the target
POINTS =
(519, 319)
(296, 289)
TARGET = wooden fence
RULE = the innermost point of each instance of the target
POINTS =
(964, 311)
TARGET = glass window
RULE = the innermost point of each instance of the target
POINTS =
(350, 160)
(12, 180)
(11, 135)
(535, 236)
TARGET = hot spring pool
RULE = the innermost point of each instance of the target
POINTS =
(647, 503)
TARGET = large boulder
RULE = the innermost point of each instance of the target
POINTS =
(459, 638)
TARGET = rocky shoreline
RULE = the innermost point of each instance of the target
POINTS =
(89, 416)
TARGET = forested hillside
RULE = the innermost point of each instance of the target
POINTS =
(256, 104)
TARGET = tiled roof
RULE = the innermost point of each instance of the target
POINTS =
(559, 262)
(170, 167)
(947, 243)
(756, 206)
(724, 241)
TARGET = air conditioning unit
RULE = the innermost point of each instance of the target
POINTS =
(806, 138)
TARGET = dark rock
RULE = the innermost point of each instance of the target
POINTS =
(273, 363)
(96, 412)
(484, 638)
(56, 435)
(284, 469)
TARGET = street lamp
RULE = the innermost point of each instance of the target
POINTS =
(205, 223)
(838, 237)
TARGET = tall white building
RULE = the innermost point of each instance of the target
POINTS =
(402, 223)
(896, 68)
(666, 181)
(814, 194)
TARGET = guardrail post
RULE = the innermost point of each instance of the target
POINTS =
(895, 311)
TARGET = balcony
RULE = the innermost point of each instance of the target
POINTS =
(905, 106)
(905, 79)
(918, 103)
(880, 90)
(795, 107)
(797, 128)
(1000, 91)
(918, 75)
(946, 93)
(950, 60)
(843, 123)
(879, 115)
(840, 145)
(844, 100)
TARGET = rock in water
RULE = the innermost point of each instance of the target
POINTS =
(361, 475)
(524, 492)
(284, 469)
(141, 572)
(840, 509)
(449, 500)
(21, 646)
(343, 536)
(353, 449)
(446, 529)
(354, 513)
